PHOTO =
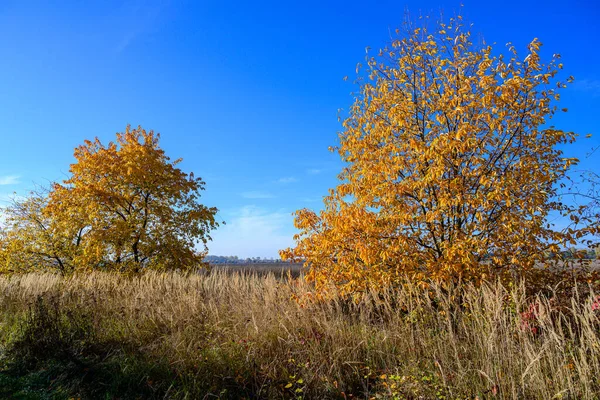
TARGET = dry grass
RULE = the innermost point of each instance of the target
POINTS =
(232, 335)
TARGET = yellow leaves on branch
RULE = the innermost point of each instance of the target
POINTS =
(449, 173)
(126, 206)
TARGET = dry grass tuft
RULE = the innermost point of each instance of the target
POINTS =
(238, 335)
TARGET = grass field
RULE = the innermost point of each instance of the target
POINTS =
(282, 269)
(231, 335)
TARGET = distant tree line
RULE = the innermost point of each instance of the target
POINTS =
(236, 260)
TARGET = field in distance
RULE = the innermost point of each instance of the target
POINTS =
(277, 268)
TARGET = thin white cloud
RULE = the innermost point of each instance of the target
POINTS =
(127, 40)
(12, 196)
(310, 199)
(287, 179)
(253, 232)
(9, 180)
(5, 199)
(257, 195)
(146, 13)
(588, 85)
(314, 171)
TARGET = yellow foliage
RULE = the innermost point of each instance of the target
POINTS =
(30, 240)
(125, 207)
(449, 174)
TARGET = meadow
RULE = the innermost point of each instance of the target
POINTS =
(243, 335)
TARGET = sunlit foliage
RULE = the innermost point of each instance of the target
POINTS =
(125, 207)
(31, 239)
(451, 166)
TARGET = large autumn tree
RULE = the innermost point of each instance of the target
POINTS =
(451, 167)
(126, 206)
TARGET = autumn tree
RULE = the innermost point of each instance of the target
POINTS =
(125, 207)
(451, 169)
(30, 240)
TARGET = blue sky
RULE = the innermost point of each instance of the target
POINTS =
(246, 92)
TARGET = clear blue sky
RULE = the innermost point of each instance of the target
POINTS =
(246, 92)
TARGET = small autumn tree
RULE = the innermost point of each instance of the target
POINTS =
(125, 207)
(450, 172)
(30, 240)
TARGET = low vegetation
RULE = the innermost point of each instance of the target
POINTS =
(223, 335)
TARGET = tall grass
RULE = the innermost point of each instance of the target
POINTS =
(237, 335)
